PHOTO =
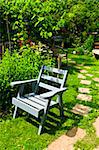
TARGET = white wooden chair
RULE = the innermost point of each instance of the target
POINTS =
(34, 103)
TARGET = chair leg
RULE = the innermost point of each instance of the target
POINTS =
(44, 117)
(15, 112)
(42, 123)
(61, 105)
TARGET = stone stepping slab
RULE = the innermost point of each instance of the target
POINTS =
(69, 59)
(80, 76)
(66, 142)
(97, 148)
(96, 79)
(84, 97)
(81, 109)
(80, 65)
(87, 67)
(84, 90)
(96, 125)
(72, 61)
(86, 82)
(89, 75)
(83, 71)
(97, 85)
(96, 71)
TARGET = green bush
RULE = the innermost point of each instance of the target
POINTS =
(88, 44)
(80, 50)
(18, 67)
(86, 47)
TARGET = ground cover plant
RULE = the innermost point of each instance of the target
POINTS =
(21, 133)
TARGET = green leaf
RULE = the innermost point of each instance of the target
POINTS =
(50, 34)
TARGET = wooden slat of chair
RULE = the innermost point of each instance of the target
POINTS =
(32, 103)
(37, 100)
(46, 86)
(33, 111)
(51, 78)
(55, 70)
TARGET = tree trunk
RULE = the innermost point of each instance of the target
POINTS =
(8, 33)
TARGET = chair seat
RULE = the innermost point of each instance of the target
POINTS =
(32, 105)
(43, 95)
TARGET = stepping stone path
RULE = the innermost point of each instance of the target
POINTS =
(89, 75)
(78, 108)
(80, 76)
(96, 79)
(84, 90)
(86, 82)
(84, 97)
(96, 125)
(83, 71)
(66, 142)
(81, 109)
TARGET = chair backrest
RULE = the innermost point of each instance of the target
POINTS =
(51, 78)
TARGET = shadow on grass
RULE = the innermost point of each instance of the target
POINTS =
(80, 60)
(71, 68)
(85, 61)
(55, 123)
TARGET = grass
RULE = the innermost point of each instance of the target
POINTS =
(21, 133)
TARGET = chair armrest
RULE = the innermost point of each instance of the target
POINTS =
(22, 82)
(53, 93)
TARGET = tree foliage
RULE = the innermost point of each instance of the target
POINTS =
(43, 19)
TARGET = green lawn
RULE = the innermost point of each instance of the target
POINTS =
(21, 133)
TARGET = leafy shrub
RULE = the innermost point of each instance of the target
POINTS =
(18, 67)
(88, 44)
(80, 50)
